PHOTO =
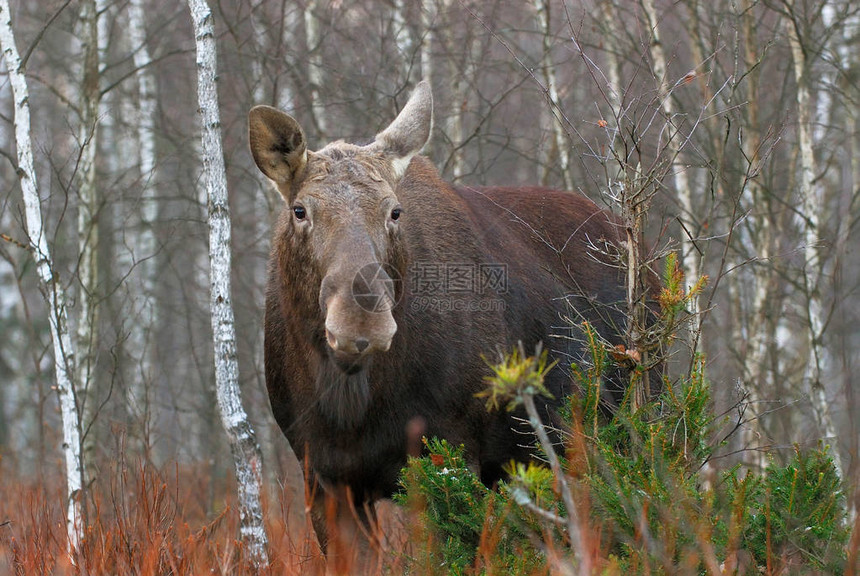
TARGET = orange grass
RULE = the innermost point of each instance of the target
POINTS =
(142, 521)
(180, 520)
(174, 521)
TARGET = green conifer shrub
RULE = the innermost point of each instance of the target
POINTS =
(640, 504)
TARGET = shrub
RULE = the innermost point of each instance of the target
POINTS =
(627, 495)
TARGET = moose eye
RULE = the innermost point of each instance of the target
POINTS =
(299, 211)
(395, 214)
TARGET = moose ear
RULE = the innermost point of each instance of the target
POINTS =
(278, 144)
(410, 131)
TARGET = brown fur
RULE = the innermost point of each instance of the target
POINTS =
(352, 419)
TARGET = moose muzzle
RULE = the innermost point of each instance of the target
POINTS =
(358, 314)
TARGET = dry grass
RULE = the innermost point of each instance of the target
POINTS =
(143, 521)
(175, 521)
(182, 521)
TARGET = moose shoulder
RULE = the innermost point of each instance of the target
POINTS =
(389, 287)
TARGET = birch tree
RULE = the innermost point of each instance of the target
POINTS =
(143, 245)
(818, 361)
(243, 443)
(260, 23)
(608, 17)
(560, 144)
(402, 36)
(284, 93)
(755, 235)
(691, 258)
(52, 290)
(88, 207)
(461, 56)
(428, 26)
(426, 37)
(314, 51)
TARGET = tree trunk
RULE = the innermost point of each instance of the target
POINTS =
(243, 442)
(428, 24)
(88, 207)
(315, 67)
(51, 288)
(284, 95)
(429, 11)
(609, 17)
(691, 259)
(560, 143)
(819, 360)
(463, 74)
(755, 234)
(143, 247)
(402, 36)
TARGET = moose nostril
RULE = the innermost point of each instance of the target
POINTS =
(361, 344)
(332, 341)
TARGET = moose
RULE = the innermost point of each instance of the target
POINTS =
(388, 291)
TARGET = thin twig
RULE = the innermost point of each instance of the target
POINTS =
(563, 487)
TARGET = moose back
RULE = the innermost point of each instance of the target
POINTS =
(389, 289)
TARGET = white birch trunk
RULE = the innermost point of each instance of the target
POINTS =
(462, 74)
(457, 119)
(284, 95)
(107, 125)
(428, 24)
(259, 94)
(691, 261)
(88, 206)
(401, 34)
(148, 112)
(559, 136)
(608, 14)
(118, 154)
(818, 362)
(749, 285)
(143, 243)
(315, 67)
(52, 290)
(243, 443)
(429, 11)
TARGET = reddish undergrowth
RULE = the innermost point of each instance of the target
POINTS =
(182, 520)
(142, 521)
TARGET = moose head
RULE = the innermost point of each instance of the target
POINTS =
(344, 235)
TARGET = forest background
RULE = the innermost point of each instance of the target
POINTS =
(741, 115)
